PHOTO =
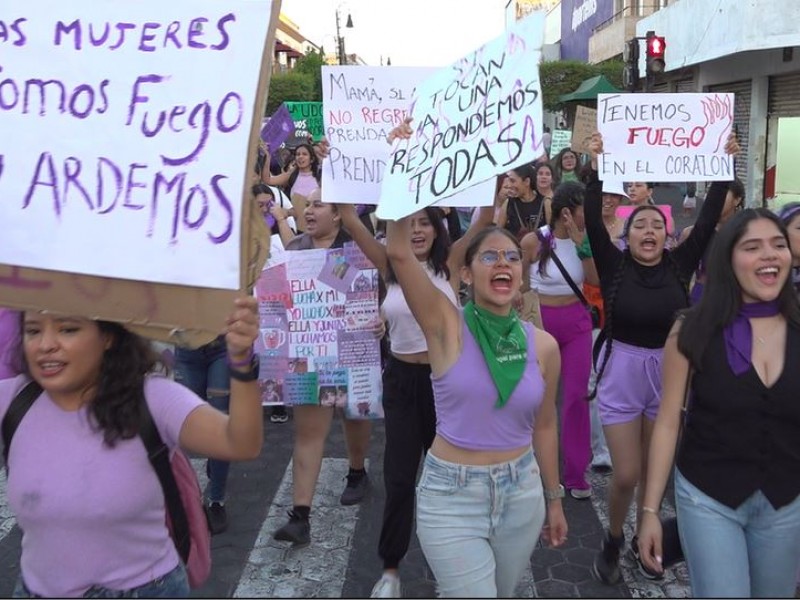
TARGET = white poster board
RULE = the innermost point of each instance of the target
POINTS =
(361, 105)
(473, 120)
(665, 137)
(124, 136)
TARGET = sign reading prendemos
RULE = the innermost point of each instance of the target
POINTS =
(124, 132)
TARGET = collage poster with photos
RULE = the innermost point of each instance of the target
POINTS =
(318, 317)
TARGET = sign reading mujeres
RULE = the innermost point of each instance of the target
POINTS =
(473, 120)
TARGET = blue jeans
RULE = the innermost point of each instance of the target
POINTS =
(205, 372)
(479, 525)
(748, 552)
(174, 584)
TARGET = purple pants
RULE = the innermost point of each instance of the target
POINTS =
(571, 326)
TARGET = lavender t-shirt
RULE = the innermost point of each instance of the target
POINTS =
(9, 328)
(90, 515)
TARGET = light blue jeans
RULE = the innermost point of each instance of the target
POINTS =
(478, 526)
(748, 552)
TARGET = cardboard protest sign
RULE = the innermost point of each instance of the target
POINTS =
(583, 128)
(665, 137)
(307, 117)
(361, 105)
(131, 135)
(475, 119)
(277, 129)
(317, 310)
(561, 138)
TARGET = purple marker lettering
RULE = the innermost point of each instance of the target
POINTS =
(136, 98)
(196, 30)
(32, 84)
(133, 184)
(159, 181)
(170, 34)
(16, 28)
(8, 84)
(177, 111)
(65, 30)
(72, 169)
(223, 33)
(117, 174)
(122, 27)
(239, 112)
(205, 111)
(103, 97)
(89, 90)
(227, 207)
(99, 41)
(187, 208)
(147, 36)
(45, 160)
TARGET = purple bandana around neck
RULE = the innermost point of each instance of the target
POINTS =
(739, 334)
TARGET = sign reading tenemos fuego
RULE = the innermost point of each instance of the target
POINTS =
(128, 132)
(124, 130)
(472, 120)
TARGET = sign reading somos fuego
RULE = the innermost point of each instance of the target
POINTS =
(124, 129)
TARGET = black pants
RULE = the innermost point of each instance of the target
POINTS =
(410, 425)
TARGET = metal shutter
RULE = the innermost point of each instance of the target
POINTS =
(741, 119)
(685, 85)
(784, 95)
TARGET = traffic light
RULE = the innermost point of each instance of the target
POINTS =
(656, 45)
(630, 73)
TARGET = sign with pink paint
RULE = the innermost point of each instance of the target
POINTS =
(665, 137)
(473, 120)
(318, 313)
(124, 136)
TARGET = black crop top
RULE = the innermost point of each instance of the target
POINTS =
(648, 297)
(741, 436)
(524, 214)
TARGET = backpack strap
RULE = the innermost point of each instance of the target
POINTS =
(158, 453)
(16, 410)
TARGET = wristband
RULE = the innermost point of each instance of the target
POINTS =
(652, 511)
(241, 363)
(555, 494)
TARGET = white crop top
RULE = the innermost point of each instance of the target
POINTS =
(405, 334)
(552, 283)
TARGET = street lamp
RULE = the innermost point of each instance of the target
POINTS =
(340, 39)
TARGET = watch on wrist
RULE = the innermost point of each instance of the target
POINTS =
(250, 375)
(555, 494)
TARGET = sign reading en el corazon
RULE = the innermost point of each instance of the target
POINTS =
(128, 137)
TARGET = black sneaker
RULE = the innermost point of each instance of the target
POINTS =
(605, 567)
(356, 489)
(297, 530)
(646, 572)
(279, 415)
(217, 517)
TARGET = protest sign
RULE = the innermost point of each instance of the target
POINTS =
(561, 138)
(131, 134)
(317, 310)
(473, 120)
(307, 117)
(361, 105)
(665, 137)
(583, 128)
(277, 129)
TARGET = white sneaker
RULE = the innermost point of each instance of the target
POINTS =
(581, 494)
(387, 586)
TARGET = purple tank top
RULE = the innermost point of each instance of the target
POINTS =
(465, 398)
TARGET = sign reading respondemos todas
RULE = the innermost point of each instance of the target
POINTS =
(361, 105)
(473, 120)
(665, 137)
(124, 132)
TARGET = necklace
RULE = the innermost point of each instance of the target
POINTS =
(762, 339)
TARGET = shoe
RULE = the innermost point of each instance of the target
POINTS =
(602, 468)
(387, 586)
(297, 531)
(355, 490)
(605, 567)
(279, 415)
(646, 572)
(217, 517)
(581, 494)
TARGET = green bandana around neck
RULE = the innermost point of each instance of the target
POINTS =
(503, 344)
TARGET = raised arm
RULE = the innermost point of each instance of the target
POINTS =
(434, 312)
(372, 248)
(604, 252)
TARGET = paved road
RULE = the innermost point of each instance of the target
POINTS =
(342, 560)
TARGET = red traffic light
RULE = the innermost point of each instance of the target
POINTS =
(656, 46)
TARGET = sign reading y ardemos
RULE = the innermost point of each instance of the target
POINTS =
(665, 137)
(473, 120)
(124, 136)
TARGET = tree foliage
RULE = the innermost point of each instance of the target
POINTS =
(302, 84)
(559, 77)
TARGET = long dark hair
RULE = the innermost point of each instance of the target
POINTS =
(567, 195)
(440, 249)
(558, 169)
(115, 409)
(722, 293)
(526, 171)
(316, 168)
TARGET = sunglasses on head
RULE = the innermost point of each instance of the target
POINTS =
(491, 256)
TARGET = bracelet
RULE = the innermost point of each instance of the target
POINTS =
(652, 511)
(241, 363)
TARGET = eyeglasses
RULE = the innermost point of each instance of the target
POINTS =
(491, 256)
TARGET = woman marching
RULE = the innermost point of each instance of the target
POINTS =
(526, 208)
(733, 358)
(559, 264)
(643, 287)
(303, 177)
(80, 483)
